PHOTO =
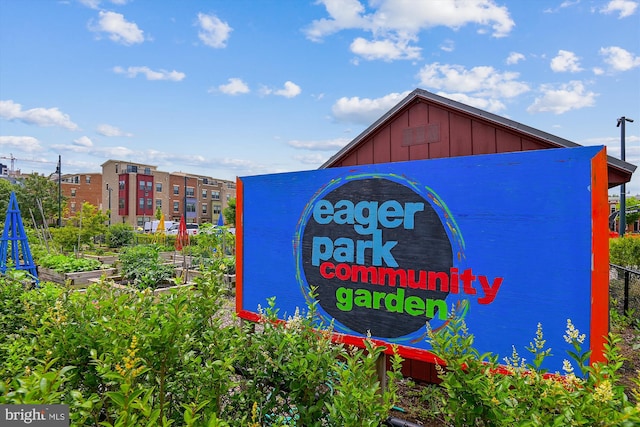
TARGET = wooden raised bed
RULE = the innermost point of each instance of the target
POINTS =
(75, 280)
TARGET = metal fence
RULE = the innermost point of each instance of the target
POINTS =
(624, 289)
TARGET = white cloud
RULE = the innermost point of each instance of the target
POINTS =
(481, 81)
(624, 8)
(619, 59)
(290, 90)
(386, 50)
(43, 117)
(394, 24)
(26, 144)
(83, 141)
(514, 58)
(213, 32)
(562, 98)
(108, 130)
(234, 87)
(94, 4)
(448, 45)
(326, 145)
(565, 61)
(150, 74)
(118, 29)
(365, 110)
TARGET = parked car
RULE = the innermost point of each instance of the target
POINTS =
(192, 229)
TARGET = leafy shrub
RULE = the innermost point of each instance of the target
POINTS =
(625, 251)
(120, 235)
(168, 359)
(142, 266)
(482, 393)
(68, 264)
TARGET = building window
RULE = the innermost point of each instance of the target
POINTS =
(121, 184)
(132, 169)
(176, 206)
(147, 171)
(191, 207)
(190, 192)
(215, 195)
(176, 189)
(121, 203)
(73, 206)
(158, 187)
(88, 179)
(73, 192)
(204, 194)
(159, 203)
(204, 208)
(149, 203)
(149, 185)
(217, 209)
(141, 203)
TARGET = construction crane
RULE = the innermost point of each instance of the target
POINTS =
(13, 159)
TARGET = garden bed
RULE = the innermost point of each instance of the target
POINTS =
(73, 280)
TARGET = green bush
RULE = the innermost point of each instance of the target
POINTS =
(135, 358)
(480, 392)
(119, 235)
(142, 266)
(625, 251)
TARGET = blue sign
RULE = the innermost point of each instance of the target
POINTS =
(504, 240)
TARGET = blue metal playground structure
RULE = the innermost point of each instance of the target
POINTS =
(14, 233)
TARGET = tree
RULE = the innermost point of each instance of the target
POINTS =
(36, 187)
(81, 228)
(158, 214)
(230, 213)
(5, 193)
(633, 204)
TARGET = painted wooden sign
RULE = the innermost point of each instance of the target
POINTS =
(505, 240)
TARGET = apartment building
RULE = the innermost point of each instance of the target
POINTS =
(134, 192)
(80, 188)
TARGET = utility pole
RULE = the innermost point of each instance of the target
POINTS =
(185, 197)
(109, 191)
(59, 190)
(623, 202)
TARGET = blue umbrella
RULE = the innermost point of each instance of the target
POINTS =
(220, 221)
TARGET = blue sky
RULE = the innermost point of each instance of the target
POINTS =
(235, 88)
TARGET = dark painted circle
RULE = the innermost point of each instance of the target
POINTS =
(425, 248)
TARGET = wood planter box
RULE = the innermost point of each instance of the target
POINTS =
(75, 280)
(104, 259)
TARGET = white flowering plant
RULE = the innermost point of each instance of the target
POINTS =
(479, 391)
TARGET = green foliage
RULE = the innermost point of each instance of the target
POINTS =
(630, 203)
(292, 371)
(625, 251)
(138, 359)
(230, 213)
(482, 393)
(142, 266)
(68, 264)
(120, 235)
(33, 188)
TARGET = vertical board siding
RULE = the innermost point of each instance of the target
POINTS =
(507, 141)
(441, 148)
(398, 152)
(483, 138)
(381, 145)
(460, 136)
